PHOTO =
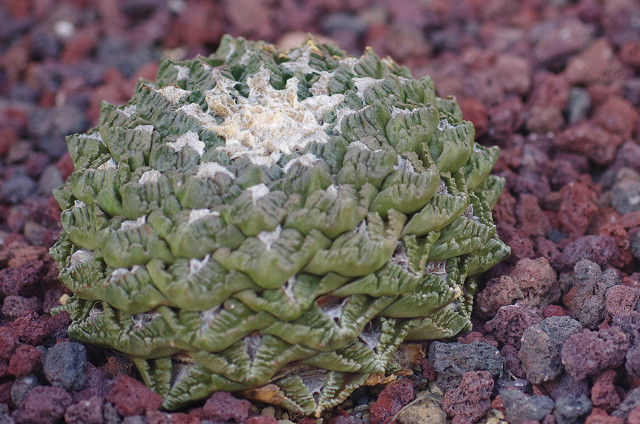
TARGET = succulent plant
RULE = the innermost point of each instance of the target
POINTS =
(273, 219)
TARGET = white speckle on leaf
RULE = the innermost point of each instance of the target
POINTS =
(444, 124)
(363, 83)
(110, 164)
(258, 191)
(127, 225)
(79, 204)
(129, 110)
(172, 93)
(150, 176)
(79, 257)
(195, 265)
(189, 139)
(307, 160)
(183, 72)
(210, 169)
(269, 237)
(145, 128)
(197, 214)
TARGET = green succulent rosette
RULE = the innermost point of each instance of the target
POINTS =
(289, 218)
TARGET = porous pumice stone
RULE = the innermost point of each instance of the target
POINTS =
(275, 219)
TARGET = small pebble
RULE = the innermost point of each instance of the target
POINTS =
(65, 364)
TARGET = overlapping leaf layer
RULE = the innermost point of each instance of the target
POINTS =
(286, 218)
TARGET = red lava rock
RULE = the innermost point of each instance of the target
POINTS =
(603, 392)
(531, 218)
(15, 306)
(428, 371)
(577, 209)
(547, 249)
(630, 220)
(532, 282)
(599, 416)
(65, 166)
(617, 116)
(620, 19)
(307, 420)
(43, 405)
(504, 210)
(21, 281)
(85, 412)
(621, 237)
(596, 143)
(8, 341)
(26, 360)
(596, 64)
(5, 392)
(132, 397)
(224, 407)
(512, 361)
(558, 38)
(264, 419)
(521, 245)
(470, 399)
(589, 352)
(621, 300)
(505, 118)
(476, 336)
(510, 322)
(516, 73)
(98, 384)
(392, 398)
(598, 249)
(157, 417)
(554, 311)
(630, 54)
(473, 110)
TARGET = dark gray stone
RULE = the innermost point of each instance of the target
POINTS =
(570, 409)
(18, 186)
(592, 285)
(65, 364)
(135, 419)
(626, 196)
(49, 180)
(628, 404)
(452, 360)
(541, 346)
(634, 240)
(110, 414)
(578, 105)
(21, 388)
(520, 407)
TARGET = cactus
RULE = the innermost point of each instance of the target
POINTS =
(273, 219)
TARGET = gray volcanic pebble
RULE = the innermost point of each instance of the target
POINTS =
(541, 346)
(628, 404)
(452, 360)
(135, 419)
(18, 187)
(635, 244)
(520, 407)
(64, 365)
(569, 410)
(21, 388)
(626, 196)
(110, 414)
